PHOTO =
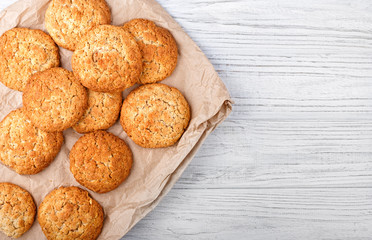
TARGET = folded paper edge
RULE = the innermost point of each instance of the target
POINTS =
(211, 124)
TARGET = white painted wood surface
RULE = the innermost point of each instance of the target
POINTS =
(294, 159)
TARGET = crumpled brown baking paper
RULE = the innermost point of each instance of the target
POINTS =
(154, 171)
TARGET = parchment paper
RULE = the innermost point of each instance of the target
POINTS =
(155, 170)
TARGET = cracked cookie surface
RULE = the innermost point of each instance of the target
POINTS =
(100, 161)
(158, 47)
(102, 112)
(67, 21)
(107, 59)
(25, 148)
(70, 213)
(155, 115)
(17, 210)
(54, 100)
(24, 52)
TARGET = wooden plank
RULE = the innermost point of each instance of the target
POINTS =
(283, 154)
(259, 214)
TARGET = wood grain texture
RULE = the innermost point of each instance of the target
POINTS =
(294, 159)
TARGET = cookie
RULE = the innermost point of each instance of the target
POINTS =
(54, 100)
(102, 112)
(100, 161)
(25, 148)
(70, 213)
(68, 21)
(17, 210)
(155, 115)
(158, 47)
(24, 52)
(107, 59)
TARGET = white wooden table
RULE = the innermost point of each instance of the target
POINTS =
(294, 159)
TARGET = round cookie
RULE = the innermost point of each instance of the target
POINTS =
(70, 213)
(158, 47)
(25, 148)
(107, 59)
(54, 100)
(155, 115)
(68, 21)
(17, 210)
(102, 112)
(24, 52)
(100, 161)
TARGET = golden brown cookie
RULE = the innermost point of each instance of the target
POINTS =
(54, 100)
(107, 59)
(68, 21)
(158, 47)
(17, 210)
(24, 52)
(102, 112)
(25, 148)
(100, 161)
(155, 115)
(70, 213)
